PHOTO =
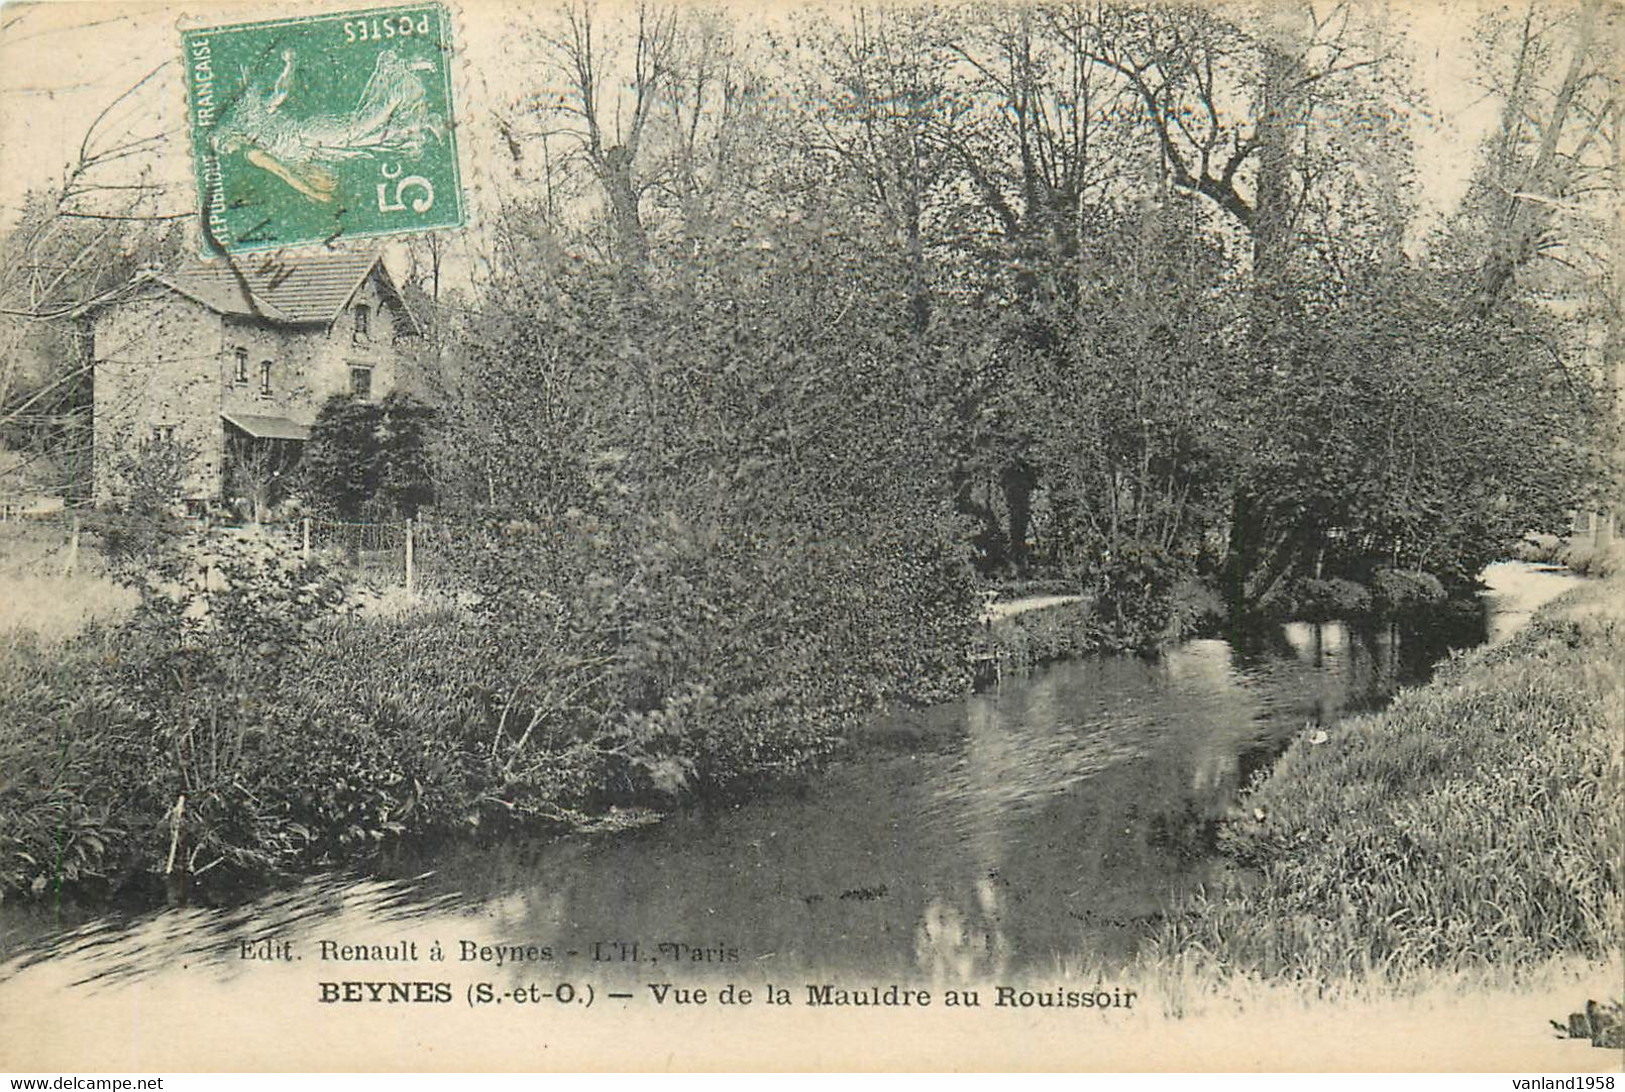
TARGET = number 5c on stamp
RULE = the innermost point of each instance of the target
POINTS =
(422, 203)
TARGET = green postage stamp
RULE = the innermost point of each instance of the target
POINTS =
(315, 129)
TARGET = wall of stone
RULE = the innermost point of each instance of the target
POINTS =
(310, 364)
(332, 356)
(156, 367)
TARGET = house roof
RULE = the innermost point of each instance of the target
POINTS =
(288, 288)
(268, 428)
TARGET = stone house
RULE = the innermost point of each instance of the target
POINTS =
(234, 359)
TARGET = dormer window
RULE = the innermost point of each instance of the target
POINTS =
(265, 377)
(242, 365)
(363, 321)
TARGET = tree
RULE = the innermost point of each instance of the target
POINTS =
(1129, 412)
(1554, 153)
(1534, 250)
(57, 265)
(257, 470)
(77, 243)
(140, 533)
(1156, 298)
(782, 491)
(365, 457)
(610, 140)
(340, 457)
(406, 471)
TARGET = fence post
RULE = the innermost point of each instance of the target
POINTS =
(71, 562)
(305, 546)
(411, 583)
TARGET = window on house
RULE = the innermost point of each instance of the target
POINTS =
(242, 365)
(363, 320)
(265, 377)
(361, 383)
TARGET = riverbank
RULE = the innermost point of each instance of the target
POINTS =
(1029, 631)
(315, 727)
(257, 714)
(1055, 814)
(1466, 839)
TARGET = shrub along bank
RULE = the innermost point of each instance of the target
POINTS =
(250, 719)
(1474, 824)
(1125, 615)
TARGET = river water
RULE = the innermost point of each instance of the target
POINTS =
(1037, 826)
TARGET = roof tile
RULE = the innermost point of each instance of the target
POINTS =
(285, 288)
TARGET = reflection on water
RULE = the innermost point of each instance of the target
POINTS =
(115, 952)
(1049, 819)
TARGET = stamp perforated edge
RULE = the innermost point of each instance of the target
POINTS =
(464, 167)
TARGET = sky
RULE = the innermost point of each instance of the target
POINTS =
(62, 63)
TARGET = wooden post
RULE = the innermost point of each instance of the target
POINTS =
(411, 582)
(176, 814)
(71, 562)
(305, 548)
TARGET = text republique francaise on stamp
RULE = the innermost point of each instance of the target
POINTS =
(317, 129)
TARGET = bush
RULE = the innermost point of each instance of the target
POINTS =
(140, 531)
(1589, 559)
(1194, 607)
(161, 721)
(371, 456)
(715, 657)
(434, 722)
(73, 787)
(1024, 641)
(1539, 548)
(1321, 600)
(1401, 591)
(1134, 593)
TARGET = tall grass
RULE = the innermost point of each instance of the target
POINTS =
(40, 598)
(1473, 829)
(1590, 559)
(53, 608)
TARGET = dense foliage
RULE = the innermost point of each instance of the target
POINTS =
(254, 716)
(371, 457)
(985, 255)
(137, 531)
(139, 748)
(722, 506)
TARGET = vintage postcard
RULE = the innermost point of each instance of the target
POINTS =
(626, 535)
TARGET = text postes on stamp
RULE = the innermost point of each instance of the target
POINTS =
(314, 129)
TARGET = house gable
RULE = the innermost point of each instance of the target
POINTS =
(376, 289)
